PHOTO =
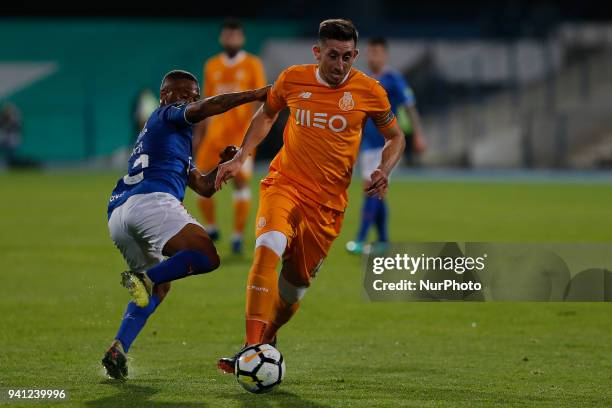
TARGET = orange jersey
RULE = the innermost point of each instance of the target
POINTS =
(323, 132)
(221, 75)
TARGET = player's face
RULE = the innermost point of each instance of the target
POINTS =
(179, 90)
(377, 57)
(232, 40)
(335, 59)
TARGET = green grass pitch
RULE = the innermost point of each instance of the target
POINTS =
(61, 304)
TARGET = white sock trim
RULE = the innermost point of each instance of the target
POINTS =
(243, 194)
(289, 292)
(275, 240)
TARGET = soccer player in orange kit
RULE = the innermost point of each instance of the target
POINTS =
(233, 70)
(303, 198)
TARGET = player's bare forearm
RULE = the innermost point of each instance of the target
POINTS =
(392, 152)
(394, 148)
(204, 184)
(256, 106)
(217, 104)
(259, 128)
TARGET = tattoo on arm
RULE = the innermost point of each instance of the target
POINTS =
(203, 184)
(217, 104)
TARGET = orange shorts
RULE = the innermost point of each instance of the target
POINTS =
(207, 156)
(310, 228)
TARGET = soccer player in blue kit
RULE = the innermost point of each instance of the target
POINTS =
(146, 218)
(400, 95)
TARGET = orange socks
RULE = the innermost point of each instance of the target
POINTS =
(241, 215)
(261, 293)
(207, 208)
(242, 203)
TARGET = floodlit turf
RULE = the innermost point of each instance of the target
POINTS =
(61, 304)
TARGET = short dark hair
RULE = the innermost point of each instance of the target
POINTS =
(231, 24)
(180, 74)
(382, 41)
(338, 29)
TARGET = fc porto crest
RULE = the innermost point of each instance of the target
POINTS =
(261, 222)
(347, 102)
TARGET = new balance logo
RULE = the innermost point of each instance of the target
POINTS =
(305, 95)
(336, 123)
(257, 288)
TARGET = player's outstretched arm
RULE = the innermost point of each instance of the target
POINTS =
(204, 184)
(392, 152)
(214, 105)
(258, 130)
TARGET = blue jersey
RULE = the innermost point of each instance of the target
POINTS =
(161, 157)
(399, 94)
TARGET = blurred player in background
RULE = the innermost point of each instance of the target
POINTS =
(146, 217)
(233, 70)
(144, 105)
(10, 132)
(401, 97)
(303, 198)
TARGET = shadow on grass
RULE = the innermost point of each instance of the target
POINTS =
(131, 395)
(276, 398)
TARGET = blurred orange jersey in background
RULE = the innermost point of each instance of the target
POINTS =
(223, 74)
(323, 132)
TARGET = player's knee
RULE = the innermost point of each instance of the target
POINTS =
(207, 248)
(215, 261)
(161, 290)
(201, 260)
(213, 258)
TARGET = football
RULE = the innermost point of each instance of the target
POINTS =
(260, 368)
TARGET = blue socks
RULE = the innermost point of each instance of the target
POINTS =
(381, 221)
(180, 265)
(368, 215)
(134, 320)
(184, 263)
(374, 210)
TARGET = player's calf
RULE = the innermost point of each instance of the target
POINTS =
(182, 264)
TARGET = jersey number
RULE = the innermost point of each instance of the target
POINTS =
(143, 162)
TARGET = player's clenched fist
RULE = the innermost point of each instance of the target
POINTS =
(228, 153)
(230, 168)
(379, 182)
